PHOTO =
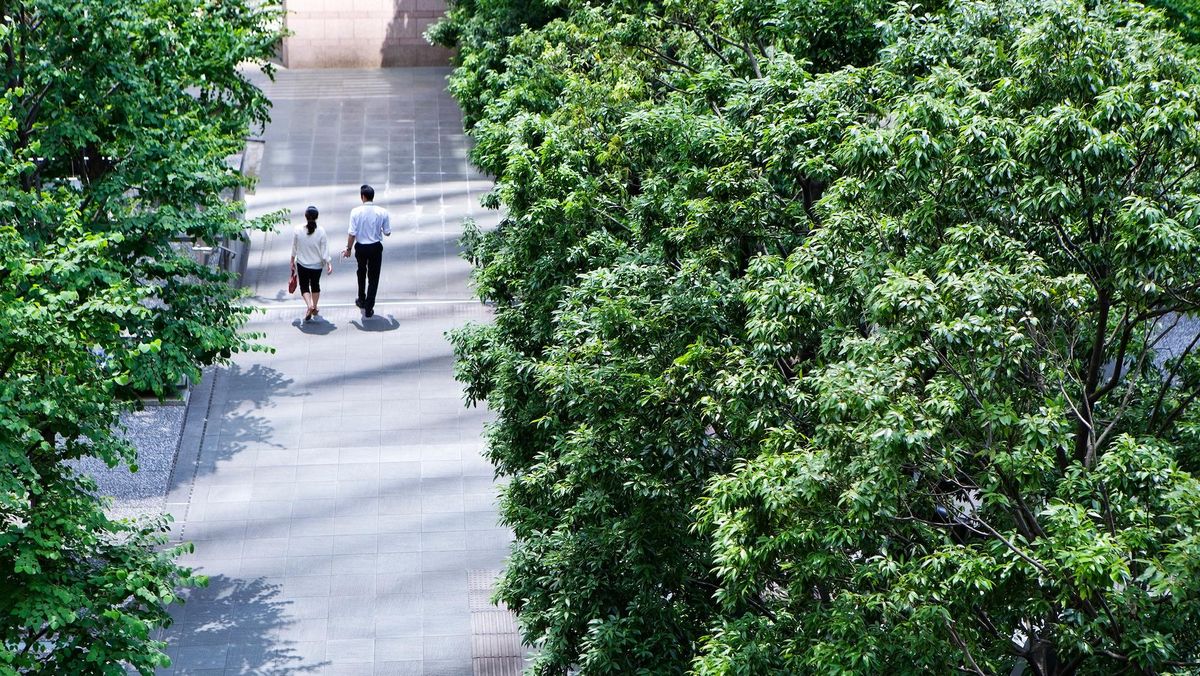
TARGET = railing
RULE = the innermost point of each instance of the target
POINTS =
(230, 254)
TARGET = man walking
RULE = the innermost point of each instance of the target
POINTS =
(369, 224)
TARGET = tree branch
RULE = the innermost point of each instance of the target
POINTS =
(33, 640)
(1119, 361)
(1091, 375)
(712, 48)
(1008, 543)
(962, 645)
(1130, 387)
(745, 48)
(667, 85)
(674, 62)
(1183, 405)
(1166, 385)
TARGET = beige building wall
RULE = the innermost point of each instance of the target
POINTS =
(361, 33)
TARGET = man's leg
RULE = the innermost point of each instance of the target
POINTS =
(374, 263)
(361, 254)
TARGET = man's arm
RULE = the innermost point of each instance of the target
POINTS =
(387, 224)
(352, 234)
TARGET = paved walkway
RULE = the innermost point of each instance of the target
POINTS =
(335, 489)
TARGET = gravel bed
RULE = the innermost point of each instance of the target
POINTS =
(155, 432)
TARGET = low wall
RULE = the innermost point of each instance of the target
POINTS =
(361, 33)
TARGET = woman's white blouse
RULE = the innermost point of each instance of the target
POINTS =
(311, 251)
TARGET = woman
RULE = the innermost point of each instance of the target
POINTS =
(310, 249)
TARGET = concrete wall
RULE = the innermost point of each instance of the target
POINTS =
(361, 33)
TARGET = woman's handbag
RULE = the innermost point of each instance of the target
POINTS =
(293, 281)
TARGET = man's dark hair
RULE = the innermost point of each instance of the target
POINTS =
(367, 191)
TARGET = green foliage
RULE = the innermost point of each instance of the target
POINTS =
(480, 29)
(1184, 17)
(830, 337)
(115, 125)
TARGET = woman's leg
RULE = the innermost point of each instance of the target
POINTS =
(316, 290)
(308, 287)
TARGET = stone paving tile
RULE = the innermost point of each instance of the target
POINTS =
(335, 493)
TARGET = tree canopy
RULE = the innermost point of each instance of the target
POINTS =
(116, 122)
(841, 337)
(1184, 17)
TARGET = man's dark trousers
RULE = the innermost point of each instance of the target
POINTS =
(370, 258)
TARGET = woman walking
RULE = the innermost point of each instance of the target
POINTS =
(310, 249)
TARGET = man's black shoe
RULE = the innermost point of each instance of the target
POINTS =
(369, 313)
(358, 302)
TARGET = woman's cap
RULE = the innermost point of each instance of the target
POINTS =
(311, 213)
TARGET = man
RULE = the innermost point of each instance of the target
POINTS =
(369, 224)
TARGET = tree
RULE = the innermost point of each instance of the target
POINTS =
(829, 345)
(997, 460)
(115, 125)
(606, 130)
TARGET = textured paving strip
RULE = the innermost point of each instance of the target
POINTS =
(496, 648)
(335, 487)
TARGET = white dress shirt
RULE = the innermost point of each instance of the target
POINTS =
(369, 223)
(311, 251)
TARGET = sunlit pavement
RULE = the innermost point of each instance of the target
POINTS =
(335, 488)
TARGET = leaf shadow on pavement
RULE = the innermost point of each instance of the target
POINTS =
(238, 416)
(240, 627)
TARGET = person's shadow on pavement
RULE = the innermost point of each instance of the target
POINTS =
(376, 323)
(317, 327)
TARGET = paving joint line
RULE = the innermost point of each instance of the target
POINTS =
(213, 375)
(296, 306)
